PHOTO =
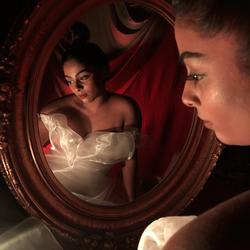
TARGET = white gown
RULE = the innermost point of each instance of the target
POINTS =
(82, 165)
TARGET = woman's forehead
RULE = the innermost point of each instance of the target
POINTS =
(190, 41)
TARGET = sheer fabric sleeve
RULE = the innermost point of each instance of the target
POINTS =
(159, 232)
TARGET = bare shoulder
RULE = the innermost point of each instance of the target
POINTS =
(57, 104)
(128, 107)
(122, 103)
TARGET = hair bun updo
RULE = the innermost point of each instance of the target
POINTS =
(86, 53)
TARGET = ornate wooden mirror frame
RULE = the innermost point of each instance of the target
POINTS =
(23, 164)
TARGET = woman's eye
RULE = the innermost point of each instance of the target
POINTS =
(69, 82)
(84, 77)
(195, 77)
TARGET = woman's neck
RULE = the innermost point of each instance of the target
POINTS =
(93, 106)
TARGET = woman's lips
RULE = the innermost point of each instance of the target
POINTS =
(83, 96)
(208, 124)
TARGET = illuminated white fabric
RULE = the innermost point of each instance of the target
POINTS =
(82, 164)
(159, 232)
(30, 234)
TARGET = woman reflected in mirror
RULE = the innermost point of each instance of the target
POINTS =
(91, 132)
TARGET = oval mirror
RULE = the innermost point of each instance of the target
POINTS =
(175, 153)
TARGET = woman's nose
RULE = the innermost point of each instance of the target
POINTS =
(189, 96)
(78, 86)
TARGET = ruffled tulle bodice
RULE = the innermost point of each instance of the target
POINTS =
(82, 164)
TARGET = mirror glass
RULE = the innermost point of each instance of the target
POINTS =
(110, 145)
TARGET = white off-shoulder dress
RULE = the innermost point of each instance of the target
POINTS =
(82, 165)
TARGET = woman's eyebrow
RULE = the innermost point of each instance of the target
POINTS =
(83, 70)
(188, 54)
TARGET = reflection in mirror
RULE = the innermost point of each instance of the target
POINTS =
(112, 124)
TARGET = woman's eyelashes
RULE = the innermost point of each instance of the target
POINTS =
(195, 77)
(69, 81)
(83, 77)
(79, 79)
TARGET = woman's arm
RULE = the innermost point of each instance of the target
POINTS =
(129, 177)
(132, 121)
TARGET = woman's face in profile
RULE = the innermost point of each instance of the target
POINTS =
(215, 85)
(81, 80)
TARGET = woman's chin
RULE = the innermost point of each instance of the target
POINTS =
(232, 141)
(84, 99)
